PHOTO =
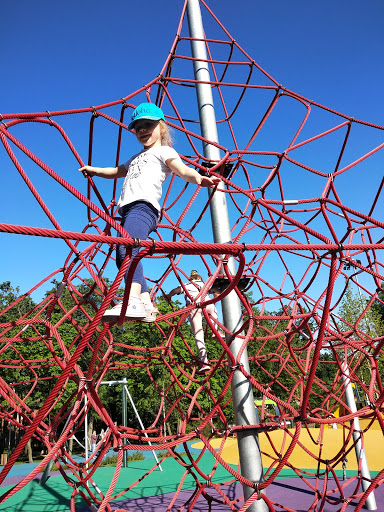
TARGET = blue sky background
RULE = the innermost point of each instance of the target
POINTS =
(77, 54)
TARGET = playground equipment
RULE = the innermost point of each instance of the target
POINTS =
(286, 236)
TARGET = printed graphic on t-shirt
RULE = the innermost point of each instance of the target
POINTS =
(146, 173)
(135, 169)
(136, 166)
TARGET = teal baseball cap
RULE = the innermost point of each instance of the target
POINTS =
(146, 111)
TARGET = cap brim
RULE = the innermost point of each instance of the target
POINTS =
(151, 118)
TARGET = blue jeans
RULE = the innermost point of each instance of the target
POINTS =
(138, 219)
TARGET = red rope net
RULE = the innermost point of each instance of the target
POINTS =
(303, 198)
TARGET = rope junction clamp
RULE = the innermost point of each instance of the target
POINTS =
(2, 122)
(94, 112)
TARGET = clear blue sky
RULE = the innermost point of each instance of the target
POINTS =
(59, 56)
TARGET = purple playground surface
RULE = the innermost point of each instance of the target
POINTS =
(289, 494)
(15, 479)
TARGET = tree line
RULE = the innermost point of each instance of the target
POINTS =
(30, 361)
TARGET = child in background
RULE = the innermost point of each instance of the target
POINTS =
(193, 288)
(93, 441)
(139, 206)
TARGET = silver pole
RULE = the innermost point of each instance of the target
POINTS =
(141, 424)
(86, 428)
(370, 503)
(48, 467)
(243, 400)
(125, 394)
(47, 470)
(124, 420)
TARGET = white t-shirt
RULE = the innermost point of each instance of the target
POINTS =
(193, 288)
(146, 173)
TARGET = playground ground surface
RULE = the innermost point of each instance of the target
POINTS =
(155, 492)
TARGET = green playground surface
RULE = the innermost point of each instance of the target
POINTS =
(55, 493)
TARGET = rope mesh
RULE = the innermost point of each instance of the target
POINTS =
(302, 238)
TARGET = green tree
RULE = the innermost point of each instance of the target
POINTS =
(9, 295)
(355, 315)
(14, 339)
(378, 306)
(362, 323)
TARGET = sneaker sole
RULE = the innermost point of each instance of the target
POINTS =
(114, 318)
(135, 315)
(109, 318)
(149, 319)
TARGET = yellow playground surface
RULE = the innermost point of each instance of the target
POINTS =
(329, 444)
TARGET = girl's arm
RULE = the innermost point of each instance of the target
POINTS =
(190, 175)
(175, 291)
(104, 172)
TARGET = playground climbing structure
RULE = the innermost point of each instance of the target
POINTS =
(303, 184)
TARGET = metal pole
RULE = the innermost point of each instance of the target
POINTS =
(47, 470)
(48, 467)
(141, 424)
(243, 400)
(86, 428)
(124, 419)
(370, 503)
(125, 394)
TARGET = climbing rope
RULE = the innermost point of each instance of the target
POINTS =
(301, 241)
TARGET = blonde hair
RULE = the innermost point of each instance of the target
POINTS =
(166, 135)
(195, 275)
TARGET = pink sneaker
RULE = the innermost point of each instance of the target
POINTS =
(112, 315)
(150, 312)
(203, 368)
(135, 311)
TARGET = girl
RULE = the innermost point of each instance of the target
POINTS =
(139, 205)
(193, 288)
(94, 442)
